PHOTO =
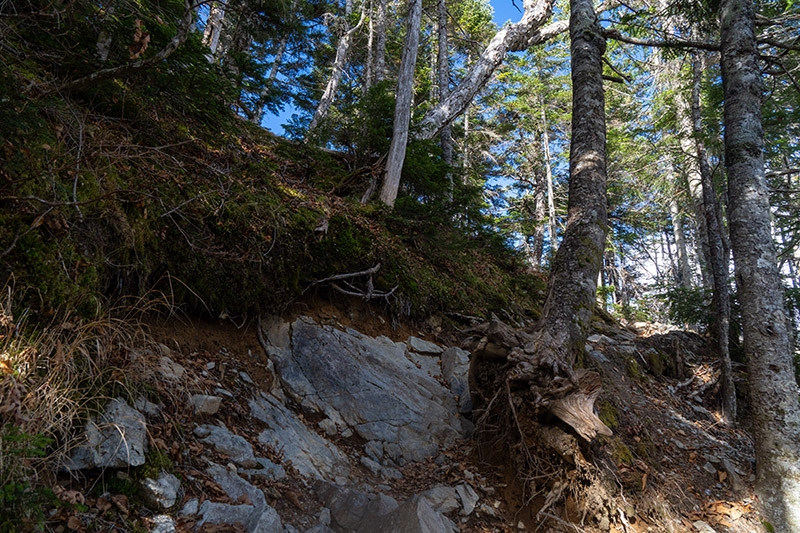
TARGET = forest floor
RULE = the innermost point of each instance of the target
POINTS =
(675, 465)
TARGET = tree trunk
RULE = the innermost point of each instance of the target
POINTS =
(513, 37)
(551, 202)
(546, 363)
(402, 110)
(369, 73)
(213, 29)
(273, 74)
(443, 62)
(684, 273)
(773, 390)
(342, 51)
(380, 42)
(719, 262)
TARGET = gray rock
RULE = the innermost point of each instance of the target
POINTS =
(426, 363)
(203, 404)
(143, 405)
(246, 378)
(266, 468)
(170, 370)
(352, 509)
(380, 470)
(455, 370)
(235, 487)
(329, 427)
(415, 344)
(367, 384)
(415, 516)
(598, 337)
(708, 467)
(161, 493)
(469, 498)
(191, 507)
(309, 453)
(265, 520)
(163, 524)
(703, 527)
(320, 528)
(235, 447)
(442, 498)
(325, 516)
(598, 356)
(118, 438)
(374, 449)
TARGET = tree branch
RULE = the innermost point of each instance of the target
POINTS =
(123, 70)
(669, 42)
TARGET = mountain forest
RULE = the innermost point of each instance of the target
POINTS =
(399, 265)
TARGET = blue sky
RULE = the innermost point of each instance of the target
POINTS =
(504, 10)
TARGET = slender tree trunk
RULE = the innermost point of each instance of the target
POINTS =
(380, 42)
(402, 110)
(213, 29)
(369, 72)
(548, 168)
(684, 273)
(773, 390)
(445, 136)
(572, 288)
(719, 262)
(273, 75)
(342, 52)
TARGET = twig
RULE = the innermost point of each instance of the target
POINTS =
(35, 224)
(337, 277)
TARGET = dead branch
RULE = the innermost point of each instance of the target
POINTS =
(338, 277)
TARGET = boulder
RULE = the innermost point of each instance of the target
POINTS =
(415, 344)
(442, 498)
(352, 509)
(365, 383)
(309, 453)
(415, 516)
(116, 439)
(163, 524)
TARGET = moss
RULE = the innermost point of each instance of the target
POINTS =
(658, 362)
(155, 462)
(608, 414)
(632, 369)
(620, 452)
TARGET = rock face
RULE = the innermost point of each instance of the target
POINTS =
(116, 439)
(309, 453)
(366, 384)
(161, 493)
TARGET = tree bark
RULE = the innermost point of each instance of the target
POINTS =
(342, 52)
(719, 261)
(684, 273)
(773, 390)
(380, 42)
(213, 29)
(546, 363)
(402, 110)
(446, 140)
(513, 37)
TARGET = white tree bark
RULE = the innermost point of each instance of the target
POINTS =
(773, 390)
(402, 110)
(380, 42)
(213, 29)
(684, 273)
(443, 64)
(513, 37)
(342, 52)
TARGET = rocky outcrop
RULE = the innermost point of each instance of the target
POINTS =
(368, 385)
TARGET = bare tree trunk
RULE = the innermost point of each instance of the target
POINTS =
(342, 52)
(513, 37)
(773, 390)
(551, 202)
(402, 110)
(273, 75)
(684, 273)
(213, 29)
(380, 42)
(572, 288)
(369, 73)
(719, 262)
(446, 139)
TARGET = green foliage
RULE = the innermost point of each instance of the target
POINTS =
(20, 503)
